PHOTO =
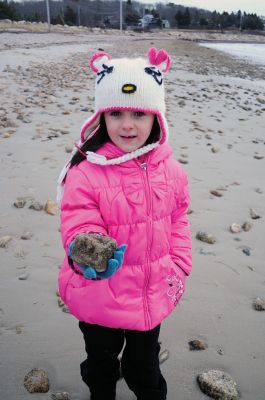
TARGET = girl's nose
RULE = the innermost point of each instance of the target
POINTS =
(127, 122)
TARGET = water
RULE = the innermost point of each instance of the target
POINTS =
(250, 52)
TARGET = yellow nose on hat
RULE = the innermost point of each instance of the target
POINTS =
(129, 88)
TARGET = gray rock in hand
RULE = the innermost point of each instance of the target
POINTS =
(94, 250)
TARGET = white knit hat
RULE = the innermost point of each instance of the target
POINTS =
(126, 84)
(135, 84)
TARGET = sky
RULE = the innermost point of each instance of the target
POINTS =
(249, 6)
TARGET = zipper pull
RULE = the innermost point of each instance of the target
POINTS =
(143, 166)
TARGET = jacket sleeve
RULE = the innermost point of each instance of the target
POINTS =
(79, 209)
(180, 247)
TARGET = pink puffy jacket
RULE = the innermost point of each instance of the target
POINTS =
(140, 203)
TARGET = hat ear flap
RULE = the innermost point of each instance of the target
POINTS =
(97, 60)
(160, 58)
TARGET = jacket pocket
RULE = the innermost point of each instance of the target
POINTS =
(176, 282)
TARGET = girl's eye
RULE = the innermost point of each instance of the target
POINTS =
(139, 114)
(115, 113)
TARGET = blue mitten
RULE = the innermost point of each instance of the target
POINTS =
(113, 264)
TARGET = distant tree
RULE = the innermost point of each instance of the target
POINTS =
(183, 18)
(203, 22)
(70, 16)
(187, 17)
(6, 11)
(131, 15)
(58, 20)
(35, 17)
(253, 22)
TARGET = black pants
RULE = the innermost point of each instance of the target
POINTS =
(140, 364)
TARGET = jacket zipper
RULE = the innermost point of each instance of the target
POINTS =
(143, 166)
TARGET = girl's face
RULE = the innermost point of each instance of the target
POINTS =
(128, 130)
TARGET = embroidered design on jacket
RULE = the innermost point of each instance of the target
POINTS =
(176, 288)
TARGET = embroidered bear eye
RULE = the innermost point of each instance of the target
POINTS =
(106, 70)
(155, 74)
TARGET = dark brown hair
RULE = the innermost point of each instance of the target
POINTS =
(101, 137)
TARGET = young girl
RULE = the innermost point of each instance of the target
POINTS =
(122, 182)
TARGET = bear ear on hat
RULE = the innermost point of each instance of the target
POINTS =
(97, 60)
(160, 58)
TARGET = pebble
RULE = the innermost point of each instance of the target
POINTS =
(205, 237)
(60, 302)
(216, 193)
(20, 202)
(197, 345)
(4, 240)
(215, 149)
(36, 381)
(68, 149)
(218, 385)
(183, 161)
(259, 304)
(260, 99)
(206, 252)
(163, 356)
(35, 205)
(51, 207)
(254, 214)
(26, 235)
(235, 228)
(246, 250)
(23, 277)
(60, 396)
(246, 226)
(258, 156)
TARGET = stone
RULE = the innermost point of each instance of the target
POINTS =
(259, 304)
(246, 226)
(197, 345)
(60, 396)
(218, 385)
(183, 161)
(246, 250)
(4, 240)
(254, 214)
(94, 250)
(258, 156)
(26, 235)
(60, 302)
(235, 228)
(215, 149)
(216, 193)
(24, 276)
(260, 99)
(35, 205)
(20, 202)
(163, 356)
(51, 207)
(205, 237)
(36, 381)
(68, 149)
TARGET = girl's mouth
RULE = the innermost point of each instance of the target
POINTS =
(128, 137)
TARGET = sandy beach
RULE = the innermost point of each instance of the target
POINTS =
(216, 114)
